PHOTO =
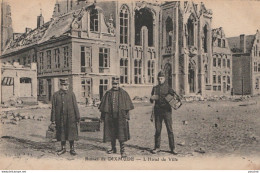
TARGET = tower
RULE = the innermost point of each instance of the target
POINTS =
(6, 25)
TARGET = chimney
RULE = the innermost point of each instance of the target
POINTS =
(243, 43)
(40, 20)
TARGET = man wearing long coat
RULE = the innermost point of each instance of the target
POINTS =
(65, 115)
(114, 108)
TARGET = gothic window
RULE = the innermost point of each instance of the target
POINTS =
(219, 42)
(103, 58)
(224, 62)
(169, 31)
(151, 69)
(228, 63)
(259, 67)
(49, 59)
(94, 20)
(123, 70)
(215, 62)
(206, 74)
(205, 41)
(219, 79)
(138, 71)
(143, 17)
(255, 66)
(57, 58)
(124, 18)
(190, 27)
(219, 62)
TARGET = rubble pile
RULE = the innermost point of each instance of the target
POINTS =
(13, 101)
(10, 117)
(214, 98)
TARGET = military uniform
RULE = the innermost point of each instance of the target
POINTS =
(114, 108)
(65, 115)
(162, 111)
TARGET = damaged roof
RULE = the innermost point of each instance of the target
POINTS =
(57, 27)
(234, 43)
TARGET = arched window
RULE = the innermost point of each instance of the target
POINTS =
(124, 18)
(143, 17)
(94, 20)
(169, 31)
(190, 27)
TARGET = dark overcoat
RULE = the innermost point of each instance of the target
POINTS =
(121, 132)
(65, 113)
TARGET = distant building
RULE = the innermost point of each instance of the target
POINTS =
(221, 64)
(19, 82)
(246, 63)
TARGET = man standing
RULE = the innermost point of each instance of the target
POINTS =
(162, 111)
(114, 108)
(65, 114)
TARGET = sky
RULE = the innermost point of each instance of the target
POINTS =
(235, 16)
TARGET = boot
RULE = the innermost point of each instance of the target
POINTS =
(72, 150)
(122, 150)
(113, 147)
(63, 148)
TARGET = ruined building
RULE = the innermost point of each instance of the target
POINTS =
(246, 63)
(91, 42)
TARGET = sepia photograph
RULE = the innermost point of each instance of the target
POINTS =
(130, 85)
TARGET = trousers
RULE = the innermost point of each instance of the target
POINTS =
(160, 115)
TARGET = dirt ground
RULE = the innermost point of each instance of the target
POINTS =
(201, 129)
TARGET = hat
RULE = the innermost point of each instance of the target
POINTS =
(64, 81)
(161, 74)
(115, 80)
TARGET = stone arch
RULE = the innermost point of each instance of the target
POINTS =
(144, 17)
(169, 31)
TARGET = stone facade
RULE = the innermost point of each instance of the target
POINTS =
(221, 79)
(186, 49)
(18, 82)
(246, 63)
(91, 42)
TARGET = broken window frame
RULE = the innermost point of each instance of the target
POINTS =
(48, 55)
(25, 80)
(66, 56)
(86, 87)
(94, 20)
(104, 57)
(151, 71)
(138, 71)
(123, 70)
(169, 31)
(124, 23)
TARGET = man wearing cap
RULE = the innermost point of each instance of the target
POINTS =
(162, 111)
(114, 108)
(65, 114)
